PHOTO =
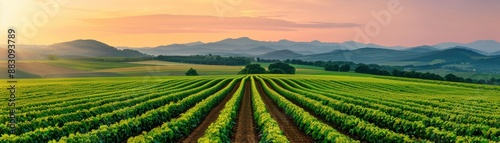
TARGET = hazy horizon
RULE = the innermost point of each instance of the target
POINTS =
(205, 42)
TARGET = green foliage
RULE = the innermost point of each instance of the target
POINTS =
(207, 60)
(191, 72)
(311, 125)
(345, 68)
(253, 69)
(372, 109)
(269, 128)
(330, 67)
(220, 130)
(378, 117)
(183, 126)
(53, 57)
(276, 71)
(282, 66)
(451, 77)
(132, 126)
(362, 69)
(103, 113)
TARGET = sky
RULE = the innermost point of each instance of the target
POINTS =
(149, 23)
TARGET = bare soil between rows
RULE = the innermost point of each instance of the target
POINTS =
(312, 113)
(245, 130)
(209, 119)
(291, 131)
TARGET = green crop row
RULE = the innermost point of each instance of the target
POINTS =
(402, 110)
(269, 128)
(54, 94)
(363, 129)
(430, 112)
(88, 103)
(50, 133)
(423, 121)
(220, 130)
(34, 97)
(58, 120)
(381, 119)
(121, 131)
(443, 104)
(90, 97)
(184, 125)
(312, 126)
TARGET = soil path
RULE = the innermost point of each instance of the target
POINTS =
(210, 118)
(356, 137)
(292, 132)
(245, 130)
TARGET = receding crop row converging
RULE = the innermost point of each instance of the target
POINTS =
(284, 108)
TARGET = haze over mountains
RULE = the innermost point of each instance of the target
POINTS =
(482, 52)
(247, 46)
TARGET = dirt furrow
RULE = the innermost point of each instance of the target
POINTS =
(210, 118)
(245, 130)
(312, 113)
(292, 132)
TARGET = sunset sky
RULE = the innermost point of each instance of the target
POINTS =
(148, 23)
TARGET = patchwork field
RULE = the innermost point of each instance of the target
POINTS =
(82, 68)
(259, 108)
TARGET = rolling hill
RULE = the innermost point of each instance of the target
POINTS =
(456, 54)
(488, 46)
(280, 54)
(495, 53)
(363, 55)
(90, 48)
(422, 49)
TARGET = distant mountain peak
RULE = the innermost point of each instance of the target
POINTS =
(462, 50)
(284, 40)
(90, 48)
(482, 46)
(422, 49)
(85, 43)
(281, 54)
(316, 41)
(238, 41)
(243, 38)
(496, 53)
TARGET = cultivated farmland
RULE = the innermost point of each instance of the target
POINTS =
(258, 108)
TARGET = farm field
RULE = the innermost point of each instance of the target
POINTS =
(82, 68)
(241, 108)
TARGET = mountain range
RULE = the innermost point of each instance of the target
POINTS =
(248, 47)
(482, 52)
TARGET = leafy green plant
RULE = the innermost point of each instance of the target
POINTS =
(269, 128)
(220, 130)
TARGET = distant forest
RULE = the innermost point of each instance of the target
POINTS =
(375, 69)
(206, 59)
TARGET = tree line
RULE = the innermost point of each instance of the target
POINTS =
(422, 75)
(374, 69)
(206, 59)
(275, 68)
